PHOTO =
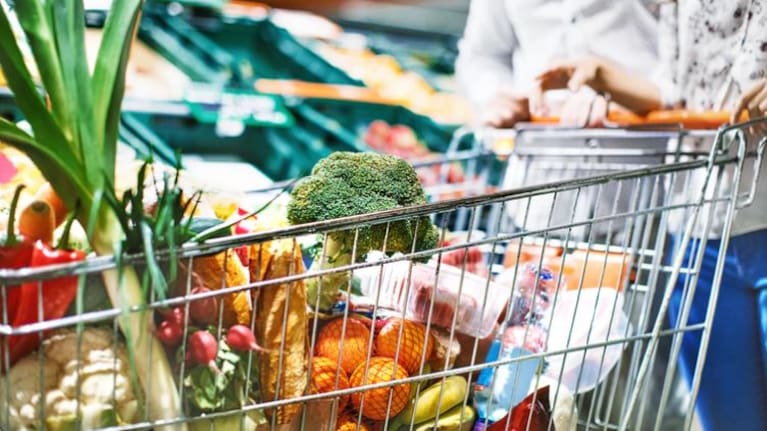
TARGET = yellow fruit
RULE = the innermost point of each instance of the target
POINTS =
(348, 423)
(373, 403)
(324, 372)
(349, 351)
(415, 345)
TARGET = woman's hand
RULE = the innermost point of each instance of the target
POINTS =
(584, 109)
(505, 110)
(754, 101)
(570, 74)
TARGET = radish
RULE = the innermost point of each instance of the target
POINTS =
(170, 333)
(203, 311)
(203, 348)
(241, 339)
(176, 316)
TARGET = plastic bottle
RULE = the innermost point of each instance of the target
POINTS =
(497, 390)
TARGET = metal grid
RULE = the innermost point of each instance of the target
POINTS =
(642, 286)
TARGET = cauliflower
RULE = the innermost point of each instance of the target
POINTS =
(106, 396)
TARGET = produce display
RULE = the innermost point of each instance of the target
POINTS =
(401, 141)
(384, 74)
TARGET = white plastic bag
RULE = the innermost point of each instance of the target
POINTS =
(598, 318)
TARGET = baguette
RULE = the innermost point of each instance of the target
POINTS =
(281, 327)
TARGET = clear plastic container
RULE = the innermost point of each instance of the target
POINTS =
(450, 297)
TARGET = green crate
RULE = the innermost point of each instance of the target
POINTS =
(237, 50)
(195, 55)
(281, 153)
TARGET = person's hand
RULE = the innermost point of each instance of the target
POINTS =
(570, 74)
(754, 102)
(506, 110)
(584, 109)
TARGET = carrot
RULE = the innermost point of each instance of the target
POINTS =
(37, 222)
(48, 195)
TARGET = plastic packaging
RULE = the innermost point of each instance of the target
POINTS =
(590, 316)
(445, 298)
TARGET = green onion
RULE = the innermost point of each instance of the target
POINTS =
(74, 143)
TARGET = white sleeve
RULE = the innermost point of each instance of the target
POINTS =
(484, 63)
(665, 75)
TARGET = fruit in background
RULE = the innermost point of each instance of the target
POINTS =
(373, 403)
(438, 398)
(345, 345)
(349, 423)
(401, 141)
(403, 138)
(415, 346)
(324, 375)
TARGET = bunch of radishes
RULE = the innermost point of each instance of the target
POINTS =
(202, 345)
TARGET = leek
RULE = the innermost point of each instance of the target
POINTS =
(74, 144)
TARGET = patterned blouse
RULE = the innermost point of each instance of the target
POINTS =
(711, 51)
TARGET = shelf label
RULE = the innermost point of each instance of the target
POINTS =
(240, 107)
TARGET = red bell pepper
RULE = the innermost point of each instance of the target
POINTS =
(244, 227)
(15, 253)
(57, 295)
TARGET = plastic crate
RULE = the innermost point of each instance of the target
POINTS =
(243, 47)
(281, 153)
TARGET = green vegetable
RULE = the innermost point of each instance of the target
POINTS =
(74, 144)
(230, 388)
(347, 184)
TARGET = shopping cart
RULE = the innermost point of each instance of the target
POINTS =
(570, 330)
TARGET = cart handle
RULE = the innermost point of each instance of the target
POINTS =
(691, 120)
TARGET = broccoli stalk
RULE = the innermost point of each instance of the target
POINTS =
(348, 184)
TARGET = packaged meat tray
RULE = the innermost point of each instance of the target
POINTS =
(445, 298)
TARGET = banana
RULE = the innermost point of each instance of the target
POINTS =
(439, 397)
(459, 418)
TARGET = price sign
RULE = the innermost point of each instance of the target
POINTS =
(216, 105)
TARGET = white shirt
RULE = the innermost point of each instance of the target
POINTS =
(508, 42)
(711, 52)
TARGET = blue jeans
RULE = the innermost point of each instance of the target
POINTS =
(733, 391)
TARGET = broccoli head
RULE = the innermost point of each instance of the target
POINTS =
(347, 184)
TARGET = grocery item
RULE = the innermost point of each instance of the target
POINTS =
(219, 271)
(437, 399)
(532, 414)
(347, 184)
(452, 299)
(446, 350)
(459, 418)
(412, 348)
(346, 422)
(57, 295)
(373, 403)
(281, 322)
(344, 341)
(328, 376)
(101, 393)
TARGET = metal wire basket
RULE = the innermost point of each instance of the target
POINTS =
(590, 333)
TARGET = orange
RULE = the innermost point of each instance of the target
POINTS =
(324, 372)
(374, 402)
(349, 352)
(412, 345)
(348, 423)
